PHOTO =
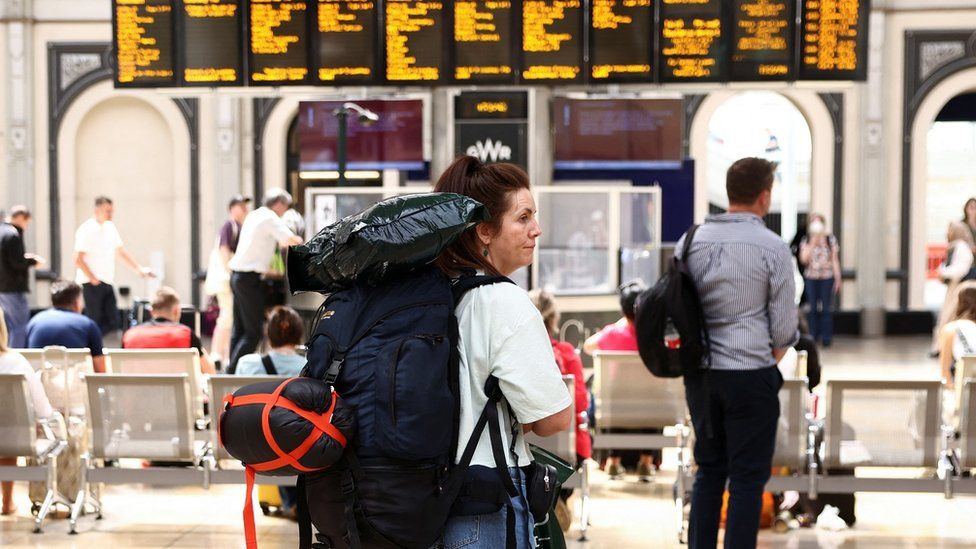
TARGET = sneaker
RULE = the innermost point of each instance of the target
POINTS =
(616, 471)
(645, 472)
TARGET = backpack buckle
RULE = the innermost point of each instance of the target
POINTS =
(347, 484)
(332, 374)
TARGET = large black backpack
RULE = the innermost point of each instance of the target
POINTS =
(672, 337)
(391, 352)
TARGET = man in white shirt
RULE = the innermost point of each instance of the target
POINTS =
(262, 232)
(97, 244)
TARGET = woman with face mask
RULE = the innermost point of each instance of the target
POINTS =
(820, 256)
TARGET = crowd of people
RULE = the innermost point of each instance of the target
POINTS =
(741, 270)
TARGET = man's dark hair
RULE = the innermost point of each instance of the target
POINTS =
(64, 293)
(100, 200)
(628, 297)
(748, 178)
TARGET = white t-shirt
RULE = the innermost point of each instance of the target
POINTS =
(15, 363)
(99, 242)
(502, 334)
(261, 232)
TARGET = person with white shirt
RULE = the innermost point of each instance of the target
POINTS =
(97, 244)
(15, 363)
(262, 232)
(959, 263)
(501, 334)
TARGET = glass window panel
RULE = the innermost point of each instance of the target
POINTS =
(640, 256)
(574, 249)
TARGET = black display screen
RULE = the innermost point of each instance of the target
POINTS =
(763, 40)
(346, 42)
(693, 41)
(212, 51)
(278, 42)
(142, 33)
(484, 32)
(552, 41)
(415, 37)
(621, 41)
(834, 39)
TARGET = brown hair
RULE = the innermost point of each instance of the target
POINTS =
(965, 216)
(163, 299)
(966, 309)
(546, 304)
(748, 178)
(960, 231)
(490, 184)
(285, 327)
(64, 293)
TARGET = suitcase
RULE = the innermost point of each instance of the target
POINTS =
(269, 498)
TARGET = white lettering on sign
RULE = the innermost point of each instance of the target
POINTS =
(490, 151)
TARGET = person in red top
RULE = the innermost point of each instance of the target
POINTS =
(164, 331)
(569, 364)
(621, 336)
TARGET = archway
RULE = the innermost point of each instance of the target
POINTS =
(101, 157)
(766, 125)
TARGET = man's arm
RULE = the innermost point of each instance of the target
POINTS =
(81, 264)
(98, 362)
(283, 234)
(781, 305)
(131, 262)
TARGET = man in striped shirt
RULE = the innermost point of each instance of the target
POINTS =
(744, 276)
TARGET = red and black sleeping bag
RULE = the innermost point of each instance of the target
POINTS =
(284, 428)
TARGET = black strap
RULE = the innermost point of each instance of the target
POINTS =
(468, 282)
(269, 366)
(304, 519)
(495, 434)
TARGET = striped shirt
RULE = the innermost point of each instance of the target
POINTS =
(744, 276)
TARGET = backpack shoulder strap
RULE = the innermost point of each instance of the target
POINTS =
(689, 237)
(269, 366)
(469, 282)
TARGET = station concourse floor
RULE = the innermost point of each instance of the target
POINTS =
(625, 514)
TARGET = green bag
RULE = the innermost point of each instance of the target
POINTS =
(549, 535)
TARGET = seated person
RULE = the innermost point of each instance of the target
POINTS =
(63, 324)
(164, 331)
(285, 331)
(569, 364)
(958, 337)
(622, 336)
(15, 363)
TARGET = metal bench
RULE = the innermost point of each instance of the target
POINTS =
(160, 361)
(18, 438)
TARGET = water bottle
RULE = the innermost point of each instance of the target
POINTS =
(672, 339)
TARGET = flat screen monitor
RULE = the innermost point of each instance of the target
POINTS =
(617, 133)
(394, 142)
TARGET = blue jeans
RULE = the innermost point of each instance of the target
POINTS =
(16, 313)
(820, 298)
(489, 531)
(743, 407)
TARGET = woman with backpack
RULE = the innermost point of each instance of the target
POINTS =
(501, 335)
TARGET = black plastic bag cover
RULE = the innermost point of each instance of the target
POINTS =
(392, 237)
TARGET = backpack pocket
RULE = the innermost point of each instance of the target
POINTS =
(403, 504)
(412, 391)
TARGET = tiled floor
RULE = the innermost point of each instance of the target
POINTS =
(625, 514)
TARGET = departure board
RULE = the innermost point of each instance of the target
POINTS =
(692, 41)
(621, 40)
(143, 36)
(552, 41)
(278, 31)
(211, 46)
(346, 42)
(763, 40)
(834, 39)
(414, 41)
(484, 32)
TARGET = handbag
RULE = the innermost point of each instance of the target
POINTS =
(548, 534)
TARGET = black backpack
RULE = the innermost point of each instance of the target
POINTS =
(391, 352)
(672, 337)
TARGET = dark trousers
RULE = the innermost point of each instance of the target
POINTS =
(820, 297)
(744, 410)
(250, 299)
(100, 306)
